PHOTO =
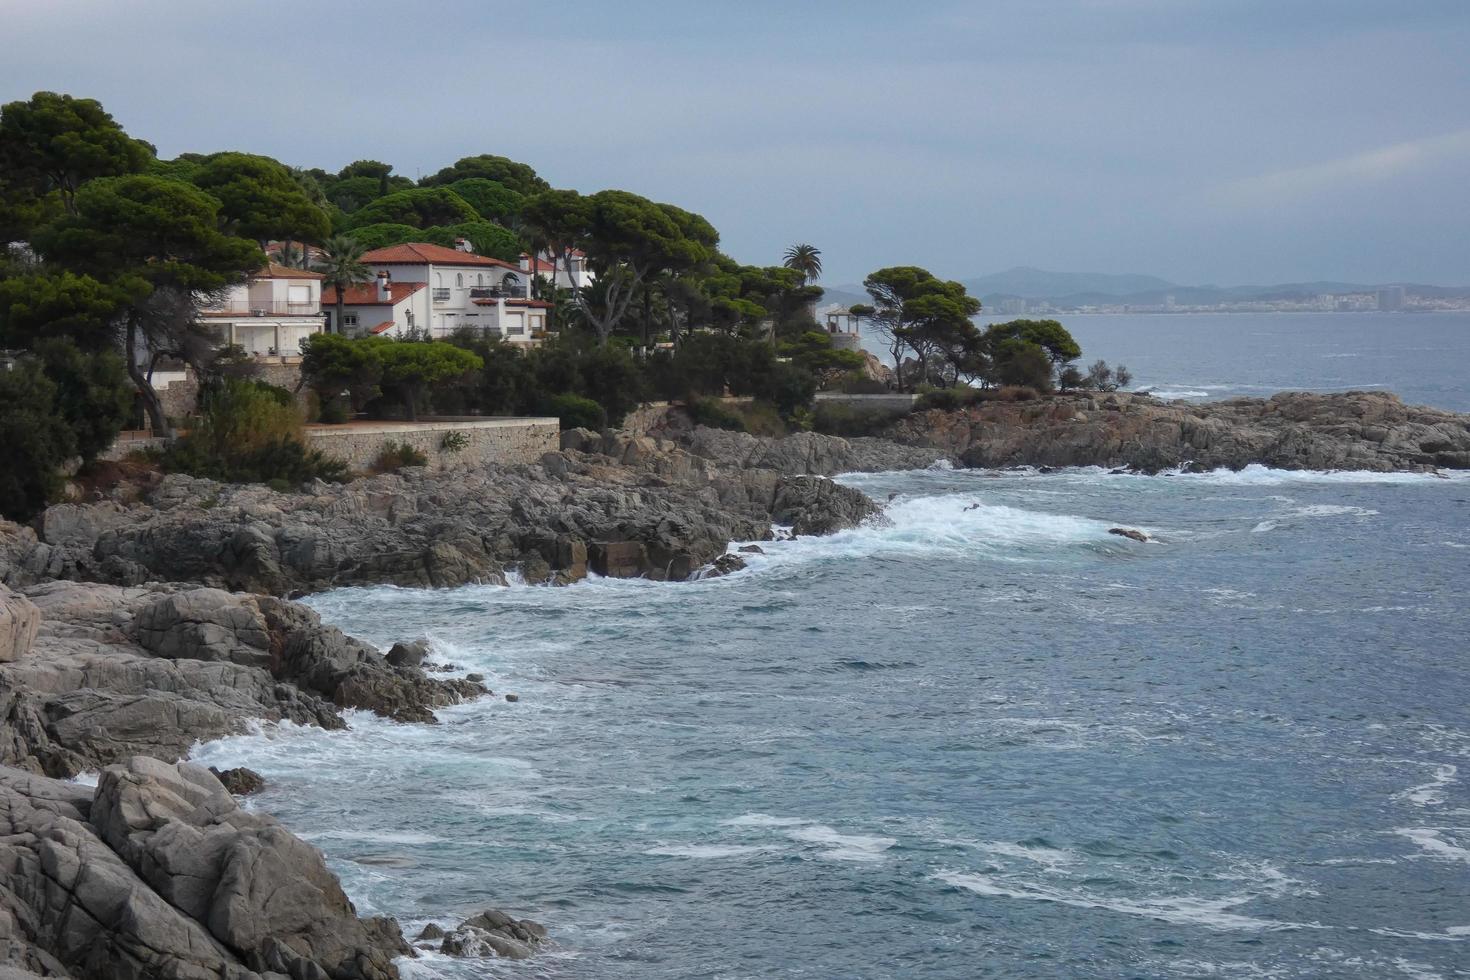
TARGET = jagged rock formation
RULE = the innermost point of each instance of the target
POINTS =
(160, 874)
(1294, 430)
(116, 672)
(618, 504)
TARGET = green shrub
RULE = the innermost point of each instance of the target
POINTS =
(837, 419)
(454, 441)
(396, 456)
(249, 432)
(577, 412)
(711, 412)
(335, 412)
(863, 386)
(34, 442)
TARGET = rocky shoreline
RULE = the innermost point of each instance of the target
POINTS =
(135, 625)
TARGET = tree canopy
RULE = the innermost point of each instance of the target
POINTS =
(56, 143)
(492, 199)
(420, 207)
(261, 198)
(519, 177)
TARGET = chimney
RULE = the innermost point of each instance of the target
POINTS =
(384, 281)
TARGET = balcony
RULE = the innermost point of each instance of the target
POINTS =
(441, 294)
(263, 308)
(498, 292)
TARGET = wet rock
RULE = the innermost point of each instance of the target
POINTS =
(430, 931)
(816, 505)
(1129, 532)
(493, 933)
(512, 697)
(239, 781)
(474, 678)
(410, 654)
(751, 549)
(724, 565)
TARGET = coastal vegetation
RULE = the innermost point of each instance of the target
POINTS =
(114, 252)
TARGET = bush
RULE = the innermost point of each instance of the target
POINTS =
(396, 456)
(1022, 363)
(861, 385)
(454, 442)
(711, 412)
(838, 419)
(577, 412)
(335, 412)
(249, 432)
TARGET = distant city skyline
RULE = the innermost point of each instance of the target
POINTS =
(1229, 141)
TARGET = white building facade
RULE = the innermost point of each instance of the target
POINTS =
(451, 290)
(269, 314)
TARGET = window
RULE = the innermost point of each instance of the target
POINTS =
(479, 279)
(349, 319)
(441, 294)
(438, 278)
(298, 295)
(515, 331)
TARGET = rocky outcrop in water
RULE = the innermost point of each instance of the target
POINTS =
(159, 874)
(115, 672)
(620, 505)
(1295, 430)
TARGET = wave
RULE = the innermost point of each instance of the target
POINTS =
(1177, 909)
(704, 850)
(1434, 845)
(842, 847)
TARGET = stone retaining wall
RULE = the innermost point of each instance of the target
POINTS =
(894, 402)
(506, 441)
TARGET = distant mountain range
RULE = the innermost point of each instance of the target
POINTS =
(1074, 289)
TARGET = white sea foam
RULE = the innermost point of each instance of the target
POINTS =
(1434, 845)
(842, 847)
(1049, 857)
(707, 851)
(763, 820)
(1168, 394)
(1333, 510)
(1179, 909)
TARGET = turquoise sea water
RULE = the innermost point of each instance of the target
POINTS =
(988, 739)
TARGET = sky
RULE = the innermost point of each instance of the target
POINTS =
(1204, 141)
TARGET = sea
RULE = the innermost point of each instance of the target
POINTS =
(981, 738)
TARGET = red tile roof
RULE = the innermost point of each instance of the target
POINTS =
(274, 270)
(423, 253)
(367, 294)
(382, 327)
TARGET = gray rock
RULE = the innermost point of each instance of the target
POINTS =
(19, 621)
(1129, 532)
(239, 781)
(493, 933)
(410, 654)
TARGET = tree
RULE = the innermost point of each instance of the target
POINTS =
(492, 199)
(93, 394)
(805, 259)
(342, 268)
(261, 199)
(557, 221)
(813, 353)
(34, 441)
(1021, 362)
(1049, 335)
(61, 304)
(157, 241)
(485, 237)
(384, 234)
(918, 312)
(519, 177)
(421, 207)
(410, 366)
(629, 238)
(375, 169)
(56, 143)
(333, 365)
(353, 193)
(1103, 378)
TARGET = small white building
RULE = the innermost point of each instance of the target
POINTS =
(270, 313)
(457, 290)
(566, 271)
(378, 307)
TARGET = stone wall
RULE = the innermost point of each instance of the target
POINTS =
(506, 441)
(894, 402)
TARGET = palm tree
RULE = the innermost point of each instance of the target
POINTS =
(806, 259)
(291, 256)
(341, 267)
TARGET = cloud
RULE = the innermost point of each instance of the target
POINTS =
(1355, 172)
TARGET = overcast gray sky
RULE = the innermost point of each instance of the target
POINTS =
(1224, 141)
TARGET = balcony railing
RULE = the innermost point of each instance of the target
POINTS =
(496, 292)
(441, 294)
(265, 308)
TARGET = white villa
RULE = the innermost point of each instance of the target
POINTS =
(434, 290)
(543, 266)
(270, 313)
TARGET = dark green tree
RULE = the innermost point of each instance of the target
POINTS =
(805, 259)
(342, 268)
(421, 207)
(62, 304)
(492, 199)
(55, 143)
(157, 241)
(93, 394)
(409, 367)
(917, 311)
(34, 441)
(519, 177)
(261, 199)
